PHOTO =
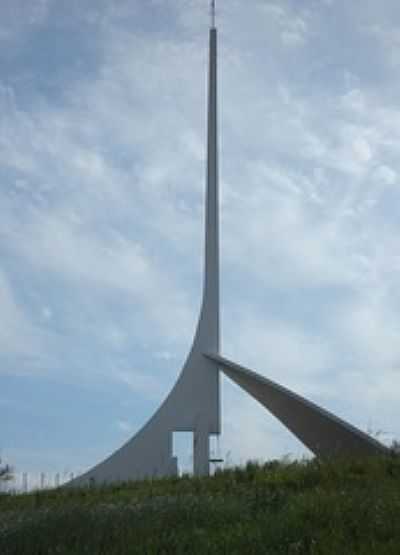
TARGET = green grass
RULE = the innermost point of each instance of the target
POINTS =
(338, 507)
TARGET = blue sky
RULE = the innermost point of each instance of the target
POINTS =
(102, 165)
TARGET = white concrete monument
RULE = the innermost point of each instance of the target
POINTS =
(193, 405)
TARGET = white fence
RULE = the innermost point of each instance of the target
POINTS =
(24, 482)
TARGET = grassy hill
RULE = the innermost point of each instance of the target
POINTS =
(338, 507)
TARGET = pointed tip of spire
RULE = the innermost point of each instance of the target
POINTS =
(213, 14)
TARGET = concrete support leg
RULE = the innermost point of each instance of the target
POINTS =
(201, 453)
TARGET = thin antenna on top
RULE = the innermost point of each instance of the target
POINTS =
(213, 14)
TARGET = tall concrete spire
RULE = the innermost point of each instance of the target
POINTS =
(211, 274)
(213, 10)
(193, 405)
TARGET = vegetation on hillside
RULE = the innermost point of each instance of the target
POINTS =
(5, 472)
(310, 507)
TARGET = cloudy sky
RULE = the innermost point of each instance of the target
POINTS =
(102, 164)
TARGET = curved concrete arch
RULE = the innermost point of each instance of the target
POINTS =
(325, 434)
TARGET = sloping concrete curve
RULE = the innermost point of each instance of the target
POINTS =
(322, 432)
